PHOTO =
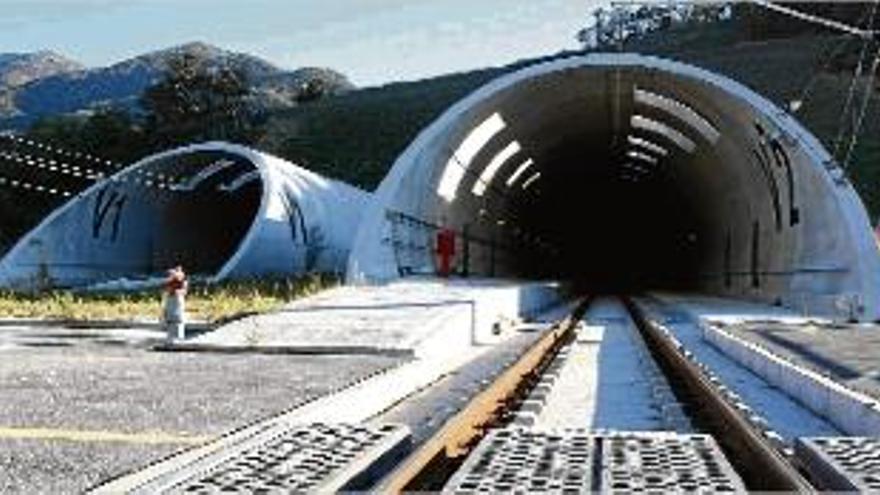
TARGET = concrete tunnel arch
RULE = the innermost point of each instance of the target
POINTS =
(623, 172)
(223, 211)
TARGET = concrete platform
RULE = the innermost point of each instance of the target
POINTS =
(445, 352)
(747, 379)
(413, 316)
(831, 368)
(845, 353)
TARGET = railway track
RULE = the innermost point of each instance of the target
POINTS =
(607, 400)
(622, 395)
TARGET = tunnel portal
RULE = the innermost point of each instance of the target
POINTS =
(620, 172)
(220, 210)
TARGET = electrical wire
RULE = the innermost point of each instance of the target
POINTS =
(844, 40)
(851, 92)
(866, 34)
(863, 111)
(30, 186)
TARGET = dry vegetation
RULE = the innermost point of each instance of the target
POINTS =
(210, 303)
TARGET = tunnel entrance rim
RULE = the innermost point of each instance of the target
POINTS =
(371, 261)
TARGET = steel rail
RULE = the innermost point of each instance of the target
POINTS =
(437, 458)
(760, 464)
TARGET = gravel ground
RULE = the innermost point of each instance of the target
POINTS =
(90, 387)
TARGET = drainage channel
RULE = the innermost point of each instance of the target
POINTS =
(612, 403)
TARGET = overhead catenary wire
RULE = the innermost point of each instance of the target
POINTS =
(866, 97)
(50, 166)
(54, 167)
(155, 180)
(842, 42)
(8, 182)
(19, 140)
(867, 34)
(57, 150)
(842, 127)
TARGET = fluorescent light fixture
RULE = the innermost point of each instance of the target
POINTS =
(648, 145)
(638, 155)
(496, 163)
(632, 166)
(680, 110)
(240, 181)
(519, 171)
(530, 180)
(203, 174)
(459, 162)
(650, 125)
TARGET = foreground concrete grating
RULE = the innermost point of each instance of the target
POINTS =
(300, 458)
(665, 462)
(524, 461)
(577, 461)
(841, 463)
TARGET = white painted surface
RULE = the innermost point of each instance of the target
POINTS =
(607, 381)
(62, 248)
(783, 413)
(430, 317)
(852, 412)
(729, 311)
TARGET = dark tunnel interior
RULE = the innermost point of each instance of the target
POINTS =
(202, 221)
(614, 229)
(632, 185)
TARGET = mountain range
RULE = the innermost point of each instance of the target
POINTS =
(35, 85)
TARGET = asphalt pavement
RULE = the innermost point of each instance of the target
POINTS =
(78, 407)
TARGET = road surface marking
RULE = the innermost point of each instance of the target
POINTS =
(148, 437)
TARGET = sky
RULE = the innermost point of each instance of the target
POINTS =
(371, 41)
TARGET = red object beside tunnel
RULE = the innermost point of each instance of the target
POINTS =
(445, 250)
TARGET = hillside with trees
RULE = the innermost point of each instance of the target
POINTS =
(355, 135)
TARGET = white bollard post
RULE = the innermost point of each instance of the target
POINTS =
(174, 308)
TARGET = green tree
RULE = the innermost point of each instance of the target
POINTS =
(198, 101)
(110, 134)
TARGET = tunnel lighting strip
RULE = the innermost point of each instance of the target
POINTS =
(642, 156)
(530, 180)
(240, 181)
(495, 164)
(650, 125)
(680, 110)
(519, 171)
(648, 145)
(461, 159)
(632, 166)
(204, 174)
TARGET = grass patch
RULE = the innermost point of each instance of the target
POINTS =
(209, 302)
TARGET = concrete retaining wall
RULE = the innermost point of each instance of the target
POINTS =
(484, 315)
